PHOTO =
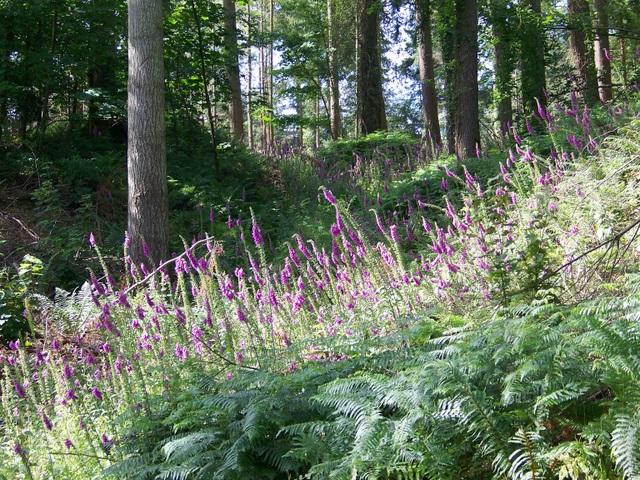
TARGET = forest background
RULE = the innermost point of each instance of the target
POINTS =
(400, 240)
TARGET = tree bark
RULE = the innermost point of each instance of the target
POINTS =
(581, 57)
(205, 88)
(371, 102)
(427, 75)
(148, 224)
(467, 120)
(503, 64)
(236, 119)
(249, 79)
(532, 59)
(601, 47)
(335, 121)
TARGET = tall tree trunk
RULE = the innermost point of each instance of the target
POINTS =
(236, 118)
(532, 60)
(371, 99)
(601, 47)
(356, 47)
(146, 157)
(427, 76)
(503, 64)
(581, 57)
(467, 117)
(446, 21)
(316, 129)
(249, 78)
(335, 121)
(44, 114)
(270, 85)
(205, 87)
(5, 54)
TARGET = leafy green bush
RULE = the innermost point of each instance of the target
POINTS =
(14, 291)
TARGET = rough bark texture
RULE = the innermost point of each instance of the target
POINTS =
(601, 47)
(236, 119)
(372, 116)
(146, 156)
(467, 131)
(427, 76)
(334, 90)
(581, 56)
(532, 60)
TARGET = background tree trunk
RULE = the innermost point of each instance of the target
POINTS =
(532, 57)
(601, 47)
(503, 65)
(467, 131)
(581, 56)
(334, 88)
(427, 76)
(236, 119)
(371, 99)
(146, 156)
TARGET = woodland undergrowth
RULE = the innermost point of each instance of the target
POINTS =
(455, 319)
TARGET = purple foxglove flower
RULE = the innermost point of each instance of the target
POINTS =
(394, 233)
(96, 393)
(19, 390)
(180, 315)
(444, 185)
(145, 248)
(92, 240)
(294, 256)
(71, 395)
(329, 196)
(256, 234)
(68, 443)
(241, 315)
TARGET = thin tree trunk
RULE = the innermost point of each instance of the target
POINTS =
(581, 57)
(427, 76)
(236, 119)
(44, 114)
(467, 118)
(372, 110)
(335, 121)
(601, 47)
(358, 106)
(271, 110)
(532, 60)
(205, 88)
(148, 224)
(316, 142)
(503, 65)
(249, 78)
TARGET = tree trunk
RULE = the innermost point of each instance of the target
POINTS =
(372, 112)
(249, 79)
(582, 59)
(205, 88)
(236, 119)
(532, 60)
(427, 76)
(601, 47)
(467, 132)
(146, 157)
(335, 121)
(44, 114)
(503, 68)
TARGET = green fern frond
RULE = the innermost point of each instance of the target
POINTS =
(625, 443)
